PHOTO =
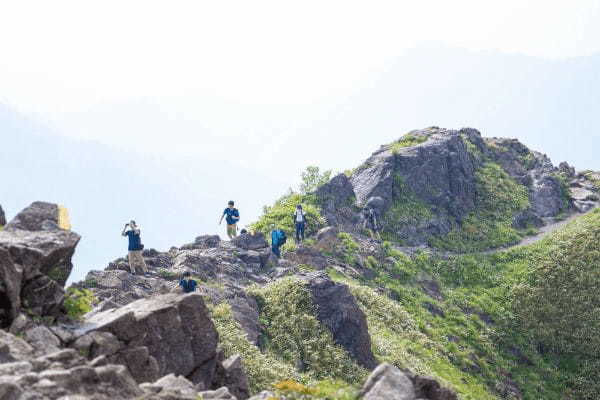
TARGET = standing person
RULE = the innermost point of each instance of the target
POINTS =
(371, 223)
(232, 217)
(300, 223)
(187, 284)
(278, 239)
(136, 260)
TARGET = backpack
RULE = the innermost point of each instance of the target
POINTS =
(282, 238)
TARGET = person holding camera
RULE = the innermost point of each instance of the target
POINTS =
(136, 260)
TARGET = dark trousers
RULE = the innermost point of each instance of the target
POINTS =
(300, 231)
(275, 250)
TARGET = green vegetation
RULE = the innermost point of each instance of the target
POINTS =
(407, 210)
(312, 178)
(78, 302)
(324, 390)
(166, 274)
(407, 140)
(293, 333)
(263, 369)
(498, 199)
(348, 248)
(280, 213)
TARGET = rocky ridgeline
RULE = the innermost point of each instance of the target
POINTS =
(438, 167)
(142, 340)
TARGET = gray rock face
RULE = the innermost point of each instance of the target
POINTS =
(232, 376)
(39, 216)
(2, 217)
(34, 265)
(61, 374)
(338, 311)
(337, 200)
(546, 197)
(164, 334)
(247, 241)
(439, 173)
(387, 382)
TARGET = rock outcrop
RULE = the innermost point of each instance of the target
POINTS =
(2, 217)
(387, 382)
(35, 262)
(338, 311)
(156, 336)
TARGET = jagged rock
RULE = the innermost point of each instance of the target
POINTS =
(428, 388)
(34, 265)
(39, 216)
(247, 241)
(308, 256)
(264, 395)
(439, 172)
(338, 311)
(546, 197)
(337, 200)
(2, 217)
(171, 385)
(232, 375)
(387, 382)
(61, 374)
(208, 241)
(42, 339)
(164, 334)
(245, 312)
(566, 169)
(219, 394)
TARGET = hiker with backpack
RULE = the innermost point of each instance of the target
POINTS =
(187, 284)
(232, 216)
(300, 223)
(371, 223)
(136, 260)
(278, 239)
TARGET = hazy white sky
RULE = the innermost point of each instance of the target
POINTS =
(62, 56)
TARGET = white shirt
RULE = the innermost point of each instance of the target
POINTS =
(299, 216)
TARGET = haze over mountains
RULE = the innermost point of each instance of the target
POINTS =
(172, 163)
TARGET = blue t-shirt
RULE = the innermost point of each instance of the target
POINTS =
(135, 241)
(188, 286)
(231, 213)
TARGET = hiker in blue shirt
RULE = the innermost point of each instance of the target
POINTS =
(232, 217)
(278, 239)
(187, 284)
(136, 260)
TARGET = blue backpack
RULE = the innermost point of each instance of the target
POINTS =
(279, 238)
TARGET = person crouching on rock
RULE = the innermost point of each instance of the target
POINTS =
(187, 284)
(278, 239)
(233, 217)
(136, 260)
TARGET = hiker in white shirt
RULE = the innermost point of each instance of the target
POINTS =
(300, 223)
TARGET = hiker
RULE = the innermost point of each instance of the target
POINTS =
(278, 239)
(187, 284)
(300, 223)
(371, 223)
(233, 216)
(136, 261)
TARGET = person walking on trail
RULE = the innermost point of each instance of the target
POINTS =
(372, 223)
(136, 260)
(232, 216)
(300, 223)
(187, 284)
(278, 239)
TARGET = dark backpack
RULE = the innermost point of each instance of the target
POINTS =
(282, 238)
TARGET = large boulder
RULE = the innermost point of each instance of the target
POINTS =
(248, 241)
(39, 216)
(35, 262)
(387, 382)
(161, 335)
(438, 173)
(338, 311)
(337, 200)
